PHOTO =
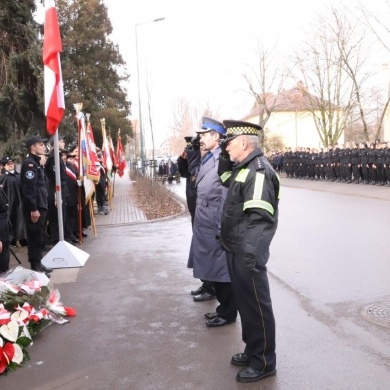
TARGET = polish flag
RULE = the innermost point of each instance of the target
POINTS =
(54, 88)
(120, 157)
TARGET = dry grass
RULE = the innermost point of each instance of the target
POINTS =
(153, 197)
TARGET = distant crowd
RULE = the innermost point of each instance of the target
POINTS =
(346, 163)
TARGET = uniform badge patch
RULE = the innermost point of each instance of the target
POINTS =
(30, 175)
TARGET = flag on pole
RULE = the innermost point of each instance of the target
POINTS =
(120, 157)
(93, 170)
(54, 88)
(107, 162)
(89, 185)
(112, 151)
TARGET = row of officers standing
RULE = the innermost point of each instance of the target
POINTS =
(28, 202)
(348, 163)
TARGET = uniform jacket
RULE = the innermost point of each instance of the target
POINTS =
(71, 182)
(33, 180)
(250, 213)
(51, 177)
(206, 257)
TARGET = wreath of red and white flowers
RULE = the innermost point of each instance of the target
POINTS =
(28, 303)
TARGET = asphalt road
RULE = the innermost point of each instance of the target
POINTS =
(138, 328)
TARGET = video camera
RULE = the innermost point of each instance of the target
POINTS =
(193, 142)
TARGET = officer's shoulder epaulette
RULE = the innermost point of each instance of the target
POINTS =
(259, 164)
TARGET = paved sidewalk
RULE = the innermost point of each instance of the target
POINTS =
(123, 210)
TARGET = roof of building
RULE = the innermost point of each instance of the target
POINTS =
(295, 99)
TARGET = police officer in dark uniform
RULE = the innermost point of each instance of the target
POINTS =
(10, 180)
(249, 222)
(4, 232)
(34, 191)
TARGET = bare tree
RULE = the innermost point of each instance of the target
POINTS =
(187, 119)
(333, 65)
(262, 80)
(379, 26)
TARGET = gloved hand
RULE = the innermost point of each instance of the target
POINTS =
(195, 143)
(223, 144)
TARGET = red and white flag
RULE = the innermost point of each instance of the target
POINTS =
(120, 157)
(112, 151)
(54, 88)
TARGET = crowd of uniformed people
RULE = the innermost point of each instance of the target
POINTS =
(28, 201)
(347, 163)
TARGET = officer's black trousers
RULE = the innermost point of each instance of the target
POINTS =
(257, 319)
(35, 235)
(356, 172)
(365, 172)
(227, 308)
(373, 173)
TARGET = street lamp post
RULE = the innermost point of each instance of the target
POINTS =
(141, 130)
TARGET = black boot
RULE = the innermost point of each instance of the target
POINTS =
(39, 267)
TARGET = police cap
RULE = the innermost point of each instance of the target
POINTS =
(209, 124)
(236, 128)
(33, 140)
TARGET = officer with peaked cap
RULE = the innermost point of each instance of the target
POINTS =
(249, 222)
(33, 180)
(206, 257)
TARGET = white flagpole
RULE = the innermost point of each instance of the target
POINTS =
(58, 186)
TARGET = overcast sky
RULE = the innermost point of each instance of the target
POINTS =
(202, 48)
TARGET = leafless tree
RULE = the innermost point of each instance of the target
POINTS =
(187, 119)
(333, 63)
(262, 80)
(379, 26)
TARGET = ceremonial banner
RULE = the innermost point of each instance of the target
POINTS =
(54, 89)
(120, 157)
(93, 171)
(89, 185)
(112, 151)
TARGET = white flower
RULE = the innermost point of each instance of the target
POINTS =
(10, 331)
(19, 316)
(18, 355)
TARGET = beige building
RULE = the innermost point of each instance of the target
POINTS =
(292, 118)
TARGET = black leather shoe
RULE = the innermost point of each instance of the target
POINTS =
(240, 359)
(211, 316)
(198, 291)
(45, 269)
(39, 267)
(204, 297)
(74, 240)
(249, 374)
(218, 321)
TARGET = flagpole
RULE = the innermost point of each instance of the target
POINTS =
(58, 187)
(78, 107)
